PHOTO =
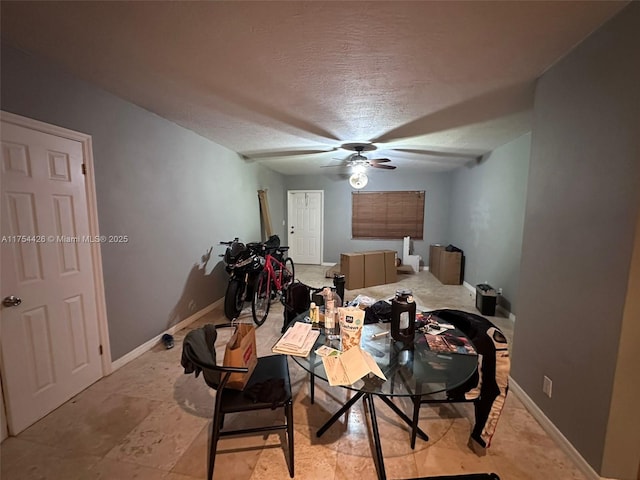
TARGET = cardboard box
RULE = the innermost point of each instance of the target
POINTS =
(390, 269)
(450, 268)
(374, 269)
(365, 269)
(434, 259)
(352, 267)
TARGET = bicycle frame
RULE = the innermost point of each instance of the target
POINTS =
(271, 282)
(274, 276)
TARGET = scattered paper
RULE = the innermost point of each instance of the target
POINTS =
(326, 351)
(435, 329)
(295, 335)
(298, 340)
(350, 366)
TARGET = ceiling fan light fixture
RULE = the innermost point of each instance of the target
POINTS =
(359, 168)
(358, 180)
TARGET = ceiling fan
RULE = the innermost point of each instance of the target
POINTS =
(358, 162)
(434, 156)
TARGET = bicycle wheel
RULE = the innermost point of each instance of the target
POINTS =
(261, 299)
(288, 274)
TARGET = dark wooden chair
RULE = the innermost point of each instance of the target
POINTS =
(268, 388)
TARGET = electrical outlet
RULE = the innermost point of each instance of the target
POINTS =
(547, 385)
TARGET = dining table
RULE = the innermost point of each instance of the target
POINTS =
(412, 369)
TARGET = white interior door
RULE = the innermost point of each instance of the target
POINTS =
(50, 341)
(4, 432)
(305, 217)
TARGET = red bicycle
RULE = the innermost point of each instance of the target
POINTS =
(277, 274)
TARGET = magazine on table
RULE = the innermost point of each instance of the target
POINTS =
(449, 343)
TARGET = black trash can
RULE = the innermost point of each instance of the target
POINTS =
(486, 297)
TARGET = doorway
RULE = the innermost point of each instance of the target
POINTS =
(305, 217)
(52, 317)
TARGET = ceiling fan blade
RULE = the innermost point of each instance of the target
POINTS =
(379, 160)
(343, 165)
(285, 153)
(437, 153)
(386, 167)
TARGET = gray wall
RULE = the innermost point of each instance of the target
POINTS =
(487, 217)
(582, 207)
(337, 208)
(174, 193)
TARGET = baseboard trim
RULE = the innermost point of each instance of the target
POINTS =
(553, 432)
(148, 345)
(506, 313)
(328, 264)
(469, 287)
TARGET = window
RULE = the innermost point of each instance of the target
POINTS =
(387, 214)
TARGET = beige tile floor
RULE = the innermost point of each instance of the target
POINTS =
(150, 421)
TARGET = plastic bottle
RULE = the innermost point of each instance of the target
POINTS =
(336, 297)
(331, 329)
(314, 315)
(326, 295)
(329, 293)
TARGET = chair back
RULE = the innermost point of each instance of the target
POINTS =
(297, 298)
(199, 356)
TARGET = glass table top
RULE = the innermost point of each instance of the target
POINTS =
(411, 369)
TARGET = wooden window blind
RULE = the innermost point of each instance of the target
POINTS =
(387, 214)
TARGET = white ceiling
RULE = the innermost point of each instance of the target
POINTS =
(268, 79)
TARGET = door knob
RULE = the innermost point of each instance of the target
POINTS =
(11, 301)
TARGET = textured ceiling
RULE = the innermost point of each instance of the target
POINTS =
(431, 84)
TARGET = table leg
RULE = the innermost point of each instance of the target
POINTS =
(312, 379)
(370, 407)
(402, 415)
(368, 402)
(416, 416)
(339, 413)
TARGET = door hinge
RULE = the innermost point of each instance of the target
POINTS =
(100, 349)
(84, 169)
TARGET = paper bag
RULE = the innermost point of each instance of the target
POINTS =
(241, 352)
